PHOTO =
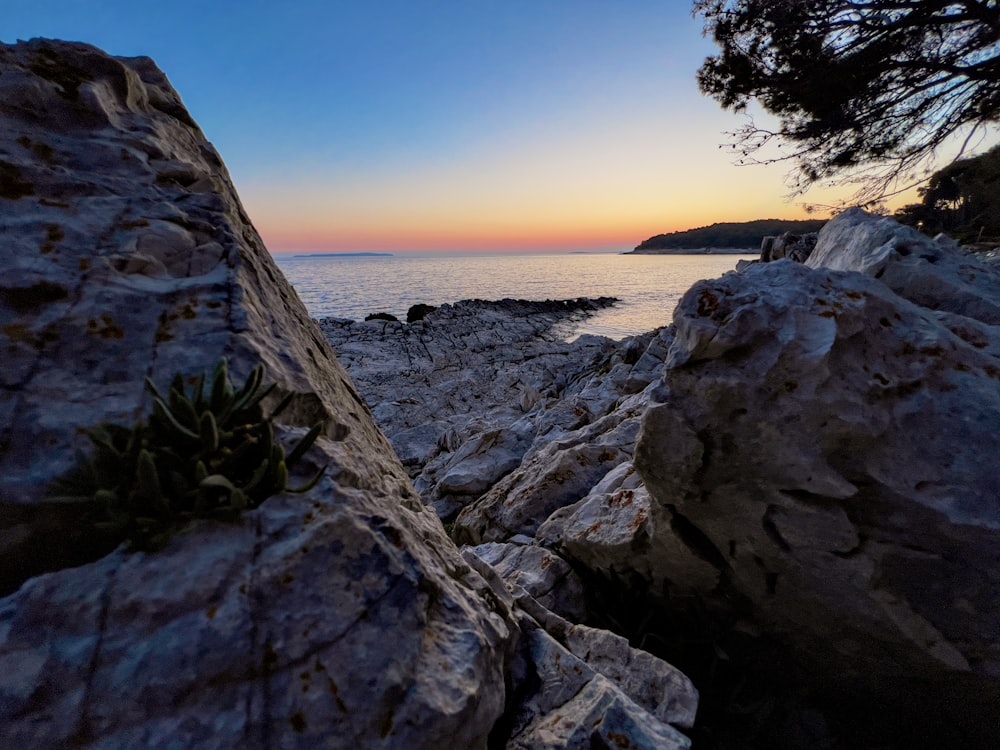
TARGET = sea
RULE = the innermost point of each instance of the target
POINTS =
(648, 286)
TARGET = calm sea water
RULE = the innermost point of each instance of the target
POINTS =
(648, 286)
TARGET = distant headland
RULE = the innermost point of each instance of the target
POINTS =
(724, 237)
(343, 255)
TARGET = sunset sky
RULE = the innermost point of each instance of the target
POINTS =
(396, 125)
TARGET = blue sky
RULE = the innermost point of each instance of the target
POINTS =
(443, 125)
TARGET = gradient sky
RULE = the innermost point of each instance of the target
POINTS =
(397, 125)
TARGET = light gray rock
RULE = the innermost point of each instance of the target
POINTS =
(613, 532)
(576, 452)
(652, 683)
(417, 445)
(481, 373)
(520, 388)
(575, 706)
(340, 618)
(479, 463)
(581, 687)
(609, 528)
(585, 500)
(927, 272)
(542, 574)
(559, 474)
(830, 447)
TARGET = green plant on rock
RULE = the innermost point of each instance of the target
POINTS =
(205, 453)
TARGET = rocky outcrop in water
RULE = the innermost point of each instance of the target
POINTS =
(343, 617)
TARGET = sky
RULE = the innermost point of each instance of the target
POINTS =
(432, 125)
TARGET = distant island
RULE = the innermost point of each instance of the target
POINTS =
(343, 255)
(724, 237)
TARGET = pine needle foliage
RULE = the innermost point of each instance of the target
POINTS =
(863, 91)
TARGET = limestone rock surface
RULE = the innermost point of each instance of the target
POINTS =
(541, 573)
(830, 438)
(558, 474)
(556, 466)
(128, 255)
(931, 273)
(343, 617)
(581, 687)
(578, 707)
(454, 391)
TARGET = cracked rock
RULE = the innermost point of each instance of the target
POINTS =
(344, 617)
(829, 433)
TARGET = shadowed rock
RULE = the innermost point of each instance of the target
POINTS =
(832, 441)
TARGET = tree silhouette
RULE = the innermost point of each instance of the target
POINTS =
(864, 91)
(962, 199)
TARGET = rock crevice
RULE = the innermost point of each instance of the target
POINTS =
(341, 617)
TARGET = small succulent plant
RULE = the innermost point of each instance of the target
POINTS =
(205, 453)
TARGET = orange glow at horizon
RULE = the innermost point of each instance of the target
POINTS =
(608, 183)
(592, 225)
(513, 239)
(444, 212)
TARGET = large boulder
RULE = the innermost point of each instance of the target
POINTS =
(828, 438)
(931, 273)
(126, 254)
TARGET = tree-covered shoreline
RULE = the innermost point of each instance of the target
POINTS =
(743, 235)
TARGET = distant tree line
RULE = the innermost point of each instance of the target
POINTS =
(962, 200)
(746, 234)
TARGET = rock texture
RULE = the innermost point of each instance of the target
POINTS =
(933, 274)
(127, 254)
(340, 618)
(542, 574)
(456, 390)
(546, 455)
(797, 247)
(830, 433)
(807, 454)
(579, 687)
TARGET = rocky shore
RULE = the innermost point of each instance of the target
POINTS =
(806, 452)
(773, 522)
(458, 392)
(343, 616)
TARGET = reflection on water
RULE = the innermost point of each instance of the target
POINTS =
(648, 286)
